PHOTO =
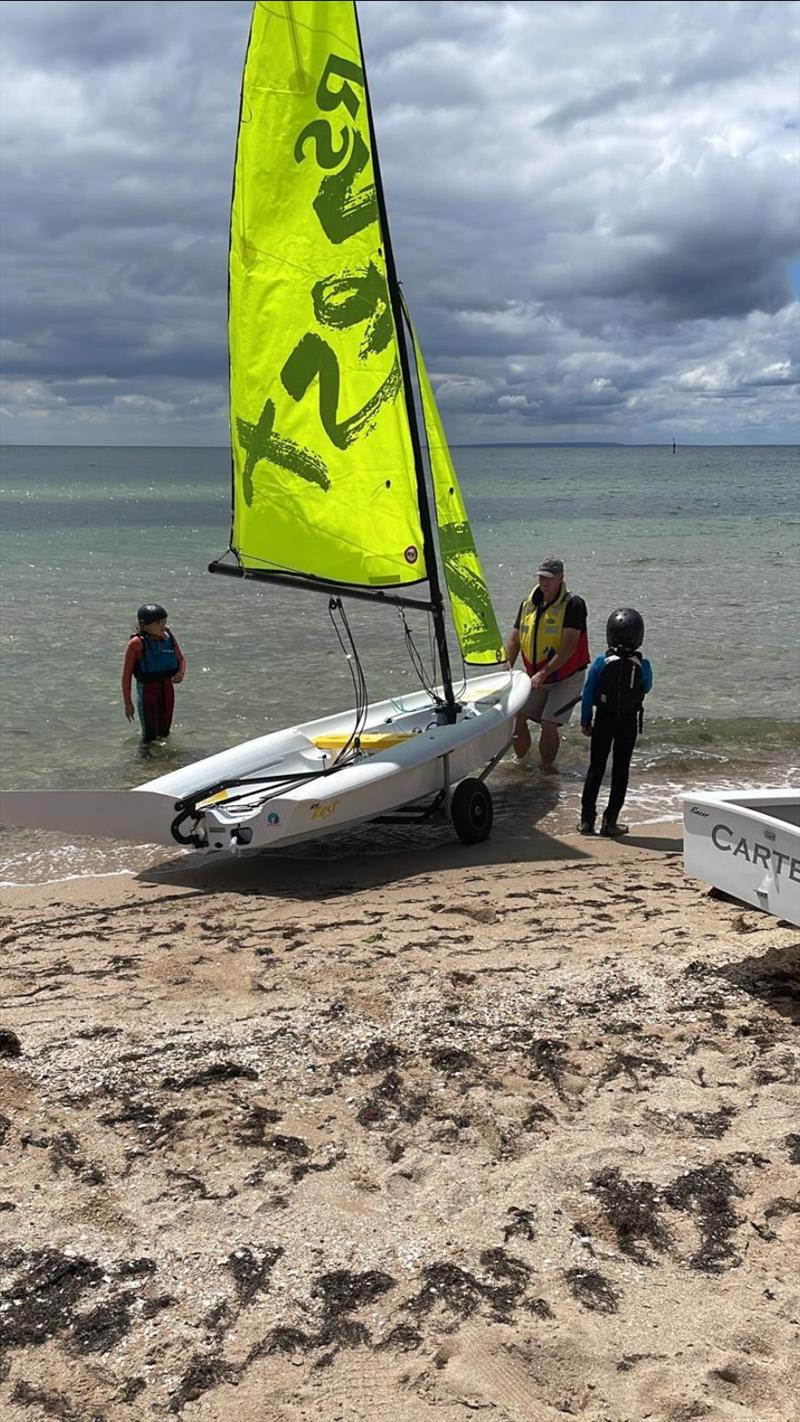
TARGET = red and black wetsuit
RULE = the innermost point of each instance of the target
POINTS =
(153, 662)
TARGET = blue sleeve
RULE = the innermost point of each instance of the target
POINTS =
(647, 676)
(589, 688)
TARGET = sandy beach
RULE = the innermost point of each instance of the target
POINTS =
(418, 1137)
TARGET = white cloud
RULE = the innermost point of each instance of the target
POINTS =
(593, 209)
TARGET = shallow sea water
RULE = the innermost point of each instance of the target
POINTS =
(705, 542)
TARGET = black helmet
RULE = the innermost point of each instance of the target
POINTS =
(625, 628)
(150, 612)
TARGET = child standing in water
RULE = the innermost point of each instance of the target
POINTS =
(614, 693)
(156, 663)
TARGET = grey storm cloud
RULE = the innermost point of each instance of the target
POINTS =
(594, 209)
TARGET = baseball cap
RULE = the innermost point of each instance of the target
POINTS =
(551, 567)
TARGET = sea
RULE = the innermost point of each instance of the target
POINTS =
(705, 542)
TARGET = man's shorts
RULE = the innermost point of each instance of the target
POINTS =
(555, 703)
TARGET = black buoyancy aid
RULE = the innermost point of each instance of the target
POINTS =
(620, 688)
(159, 660)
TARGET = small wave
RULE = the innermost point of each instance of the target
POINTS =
(67, 878)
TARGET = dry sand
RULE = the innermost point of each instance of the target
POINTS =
(508, 1132)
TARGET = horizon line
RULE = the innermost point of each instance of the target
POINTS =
(480, 444)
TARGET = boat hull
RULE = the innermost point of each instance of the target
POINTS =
(748, 845)
(294, 789)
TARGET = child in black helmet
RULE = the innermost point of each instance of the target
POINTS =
(156, 663)
(614, 692)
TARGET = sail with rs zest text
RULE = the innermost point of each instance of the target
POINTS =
(323, 466)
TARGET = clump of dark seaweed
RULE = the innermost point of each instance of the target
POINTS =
(549, 1062)
(251, 1269)
(792, 1143)
(41, 1303)
(135, 1268)
(218, 1071)
(381, 1054)
(511, 1276)
(202, 1374)
(712, 1125)
(708, 1192)
(451, 1059)
(632, 1208)
(281, 1340)
(403, 1338)
(537, 1115)
(342, 1291)
(631, 1065)
(342, 1333)
(52, 1404)
(388, 1097)
(522, 1223)
(293, 1147)
(449, 1287)
(592, 1290)
(64, 1154)
(254, 1127)
(100, 1330)
(154, 1128)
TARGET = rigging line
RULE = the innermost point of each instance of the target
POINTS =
(356, 675)
(425, 680)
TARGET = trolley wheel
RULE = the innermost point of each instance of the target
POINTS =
(472, 811)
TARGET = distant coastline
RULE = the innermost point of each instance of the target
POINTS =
(484, 444)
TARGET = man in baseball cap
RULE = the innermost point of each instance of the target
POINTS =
(550, 632)
(550, 568)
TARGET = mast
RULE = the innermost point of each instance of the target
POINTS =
(429, 544)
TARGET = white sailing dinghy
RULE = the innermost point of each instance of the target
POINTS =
(330, 488)
(746, 843)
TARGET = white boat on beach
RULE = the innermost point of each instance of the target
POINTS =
(746, 843)
(407, 765)
(342, 484)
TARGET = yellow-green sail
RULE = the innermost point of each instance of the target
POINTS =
(324, 480)
(473, 615)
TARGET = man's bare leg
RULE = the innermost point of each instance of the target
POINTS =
(521, 739)
(549, 741)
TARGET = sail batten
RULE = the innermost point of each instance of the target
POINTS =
(323, 466)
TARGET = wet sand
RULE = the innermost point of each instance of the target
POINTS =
(507, 1132)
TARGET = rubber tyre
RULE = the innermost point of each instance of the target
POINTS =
(472, 811)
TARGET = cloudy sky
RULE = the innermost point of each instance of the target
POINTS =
(594, 208)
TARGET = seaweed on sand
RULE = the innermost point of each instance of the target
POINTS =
(633, 1209)
(708, 1192)
(593, 1290)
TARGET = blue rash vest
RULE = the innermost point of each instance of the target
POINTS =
(588, 701)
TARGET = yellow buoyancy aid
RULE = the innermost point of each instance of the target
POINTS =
(540, 631)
